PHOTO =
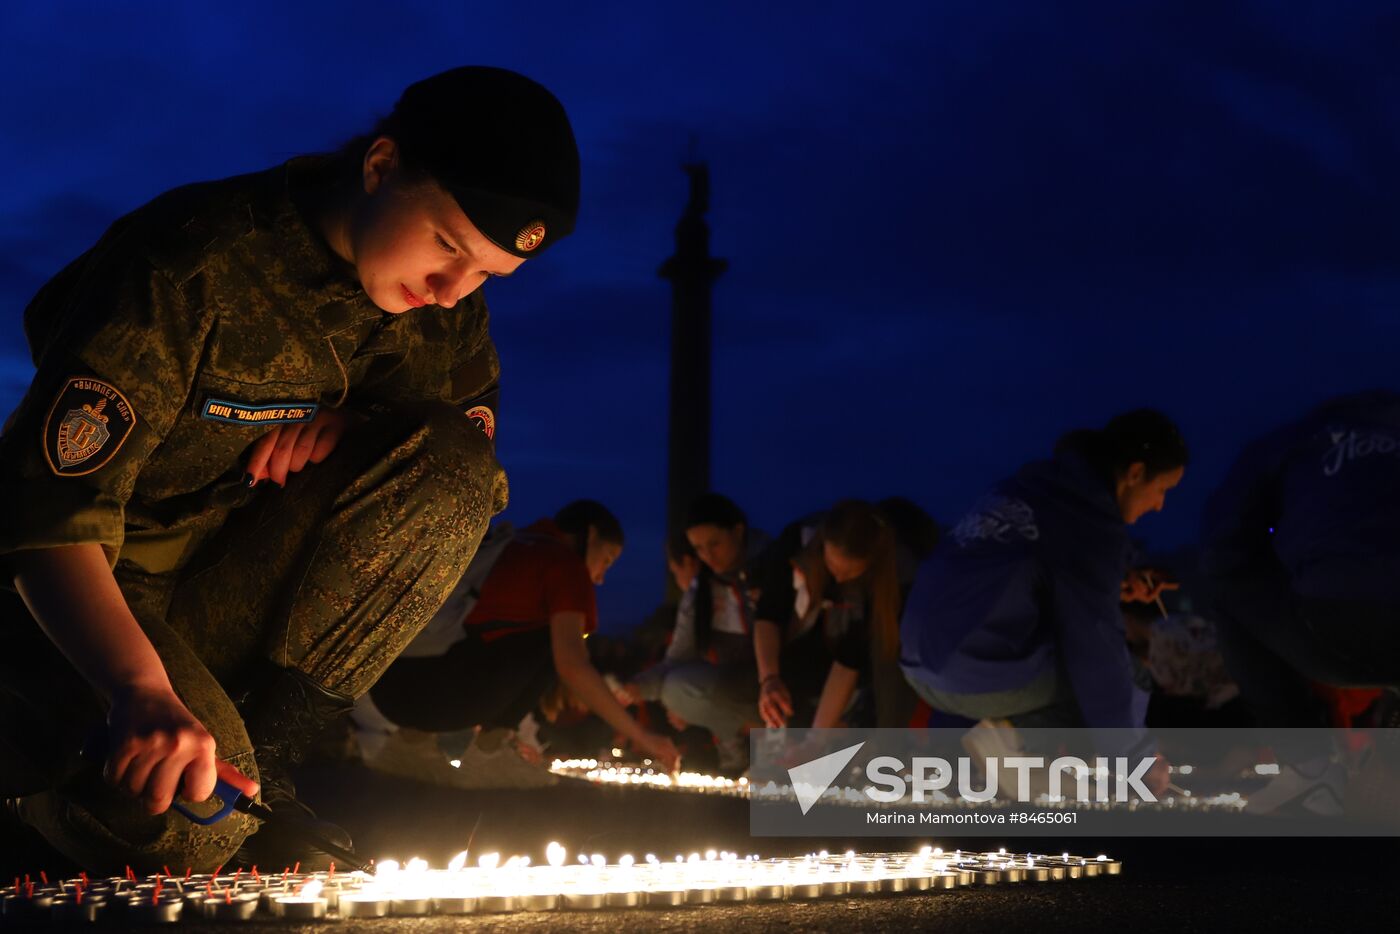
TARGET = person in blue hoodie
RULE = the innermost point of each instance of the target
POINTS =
(1302, 559)
(1016, 614)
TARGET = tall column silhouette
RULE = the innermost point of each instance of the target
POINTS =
(692, 272)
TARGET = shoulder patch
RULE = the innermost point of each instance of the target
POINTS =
(87, 424)
(485, 419)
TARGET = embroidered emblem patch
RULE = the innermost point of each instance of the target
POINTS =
(273, 413)
(87, 424)
(530, 236)
(485, 419)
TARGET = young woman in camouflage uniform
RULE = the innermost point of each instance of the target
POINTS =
(255, 458)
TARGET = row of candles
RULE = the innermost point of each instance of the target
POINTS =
(610, 773)
(496, 886)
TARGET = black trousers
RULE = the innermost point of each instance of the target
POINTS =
(475, 683)
(1276, 641)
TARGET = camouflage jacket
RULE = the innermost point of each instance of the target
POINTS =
(195, 324)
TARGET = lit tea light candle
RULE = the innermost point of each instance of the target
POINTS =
(495, 904)
(305, 905)
(454, 904)
(1110, 867)
(411, 906)
(363, 905)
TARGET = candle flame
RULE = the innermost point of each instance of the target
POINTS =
(458, 862)
(555, 854)
(489, 860)
(598, 860)
(626, 861)
(312, 889)
(387, 868)
(417, 864)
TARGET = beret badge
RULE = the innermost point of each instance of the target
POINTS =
(530, 236)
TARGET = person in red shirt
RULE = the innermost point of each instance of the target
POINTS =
(536, 607)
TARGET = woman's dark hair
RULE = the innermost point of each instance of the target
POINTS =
(714, 509)
(914, 528)
(863, 532)
(678, 546)
(1143, 436)
(576, 518)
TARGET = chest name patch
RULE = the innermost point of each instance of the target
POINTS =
(272, 413)
(87, 424)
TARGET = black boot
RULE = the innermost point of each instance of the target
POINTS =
(284, 713)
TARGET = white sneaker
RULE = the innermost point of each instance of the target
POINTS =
(999, 739)
(1314, 788)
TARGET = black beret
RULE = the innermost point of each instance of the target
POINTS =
(501, 145)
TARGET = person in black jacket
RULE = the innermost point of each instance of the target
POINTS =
(1302, 564)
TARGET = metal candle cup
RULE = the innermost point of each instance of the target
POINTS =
(299, 908)
(24, 907)
(237, 908)
(495, 904)
(163, 910)
(767, 892)
(363, 905)
(665, 898)
(409, 907)
(585, 901)
(66, 909)
(454, 904)
(627, 899)
(732, 893)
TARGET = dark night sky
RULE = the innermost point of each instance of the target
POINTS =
(954, 230)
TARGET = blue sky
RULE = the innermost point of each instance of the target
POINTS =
(954, 230)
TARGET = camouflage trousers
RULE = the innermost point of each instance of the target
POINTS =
(332, 576)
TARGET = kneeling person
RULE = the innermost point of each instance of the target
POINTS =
(536, 607)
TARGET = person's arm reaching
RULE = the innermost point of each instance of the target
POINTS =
(774, 699)
(836, 695)
(156, 747)
(575, 669)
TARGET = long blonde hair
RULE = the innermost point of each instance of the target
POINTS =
(863, 533)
